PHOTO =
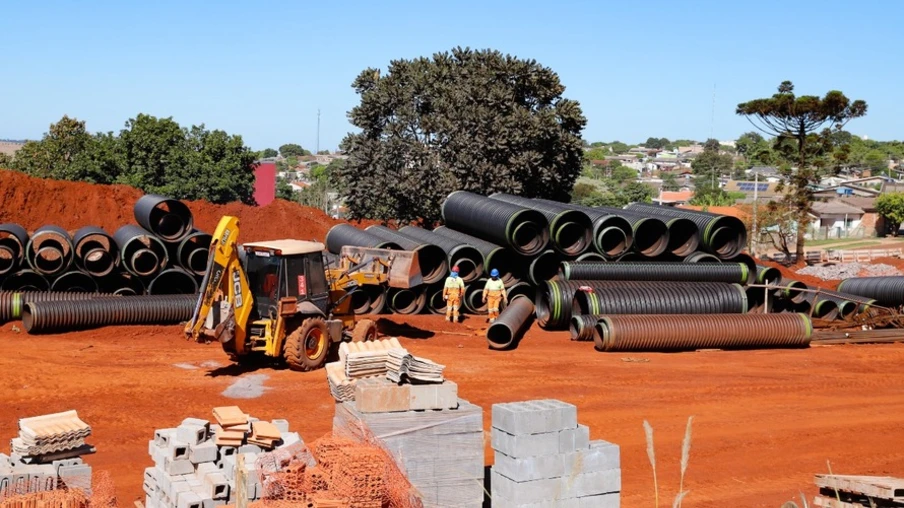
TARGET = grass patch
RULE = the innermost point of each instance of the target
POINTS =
(832, 241)
(855, 245)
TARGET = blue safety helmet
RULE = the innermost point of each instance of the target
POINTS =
(494, 273)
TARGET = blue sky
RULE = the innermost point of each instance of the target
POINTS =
(263, 69)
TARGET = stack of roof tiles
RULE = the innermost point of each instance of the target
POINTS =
(402, 367)
(358, 360)
(46, 455)
(195, 464)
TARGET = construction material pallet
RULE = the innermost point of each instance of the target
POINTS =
(842, 491)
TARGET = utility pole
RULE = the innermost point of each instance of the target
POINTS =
(318, 131)
(712, 120)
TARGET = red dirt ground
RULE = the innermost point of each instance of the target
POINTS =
(764, 421)
(34, 202)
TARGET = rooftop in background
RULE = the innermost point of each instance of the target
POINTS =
(762, 189)
(674, 197)
(835, 207)
(721, 210)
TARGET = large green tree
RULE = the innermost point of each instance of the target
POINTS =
(802, 126)
(267, 153)
(293, 150)
(891, 207)
(474, 120)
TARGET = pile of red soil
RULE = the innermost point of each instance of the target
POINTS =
(895, 262)
(34, 202)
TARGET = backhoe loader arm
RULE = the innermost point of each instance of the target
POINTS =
(224, 292)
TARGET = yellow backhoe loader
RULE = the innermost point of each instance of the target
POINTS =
(282, 299)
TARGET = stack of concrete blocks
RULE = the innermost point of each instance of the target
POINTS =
(545, 459)
(191, 471)
(439, 451)
(46, 455)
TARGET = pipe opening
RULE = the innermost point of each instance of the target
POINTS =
(98, 262)
(170, 225)
(544, 267)
(612, 241)
(505, 262)
(145, 262)
(521, 289)
(74, 282)
(360, 301)
(541, 307)
(651, 237)
(125, 292)
(433, 262)
(25, 280)
(403, 301)
(7, 259)
(702, 257)
(197, 261)
(725, 242)
(528, 238)
(500, 335)
(467, 269)
(576, 327)
(573, 238)
(49, 258)
(436, 303)
(683, 237)
(847, 309)
(825, 309)
(173, 282)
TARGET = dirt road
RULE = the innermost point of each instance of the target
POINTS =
(764, 421)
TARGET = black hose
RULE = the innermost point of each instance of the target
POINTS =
(473, 296)
(341, 235)
(737, 273)
(511, 324)
(174, 281)
(431, 258)
(193, 252)
(13, 242)
(887, 291)
(702, 257)
(25, 280)
(509, 264)
(570, 230)
(95, 251)
(49, 251)
(722, 235)
(141, 253)
(169, 219)
(543, 267)
(62, 316)
(465, 256)
(767, 274)
(612, 234)
(74, 281)
(407, 301)
(651, 235)
(522, 229)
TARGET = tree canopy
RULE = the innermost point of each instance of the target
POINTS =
(708, 168)
(267, 153)
(293, 150)
(153, 154)
(891, 207)
(475, 120)
(803, 127)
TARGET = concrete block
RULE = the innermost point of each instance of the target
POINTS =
(151, 474)
(250, 448)
(188, 499)
(554, 489)
(203, 452)
(600, 456)
(289, 438)
(177, 487)
(216, 486)
(197, 422)
(193, 480)
(534, 416)
(460, 494)
(561, 503)
(612, 500)
(76, 476)
(191, 434)
(163, 437)
(571, 440)
(529, 445)
(164, 482)
(42, 478)
(594, 484)
(228, 468)
(149, 489)
(226, 451)
(530, 468)
(281, 425)
(177, 450)
(433, 396)
(206, 468)
(379, 395)
(178, 467)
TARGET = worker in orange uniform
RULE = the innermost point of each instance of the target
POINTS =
(453, 291)
(493, 295)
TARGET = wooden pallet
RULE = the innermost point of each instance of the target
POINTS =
(857, 491)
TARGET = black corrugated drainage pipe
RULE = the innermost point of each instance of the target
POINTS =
(341, 235)
(722, 235)
(702, 257)
(49, 251)
(612, 234)
(368, 299)
(194, 251)
(13, 241)
(25, 280)
(684, 236)
(543, 267)
(651, 235)
(431, 258)
(473, 296)
(74, 281)
(524, 230)
(465, 256)
(757, 300)
(126, 310)
(169, 219)
(494, 256)
(407, 301)
(670, 333)
(848, 304)
(142, 254)
(13, 302)
(737, 273)
(174, 281)
(95, 251)
(661, 298)
(748, 260)
(583, 327)
(887, 291)
(521, 288)
(570, 230)
(791, 290)
(825, 309)
(122, 284)
(435, 302)
(767, 275)
(511, 324)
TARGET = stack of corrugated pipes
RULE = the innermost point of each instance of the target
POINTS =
(57, 281)
(570, 266)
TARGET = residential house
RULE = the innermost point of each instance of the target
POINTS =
(673, 198)
(630, 161)
(834, 219)
(872, 223)
(766, 173)
(762, 190)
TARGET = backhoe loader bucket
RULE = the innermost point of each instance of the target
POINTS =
(400, 268)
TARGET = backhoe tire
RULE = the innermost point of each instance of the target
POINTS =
(307, 347)
(365, 330)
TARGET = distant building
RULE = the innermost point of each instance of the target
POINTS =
(835, 219)
(763, 190)
(265, 183)
(675, 198)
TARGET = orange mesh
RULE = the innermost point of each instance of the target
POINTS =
(103, 495)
